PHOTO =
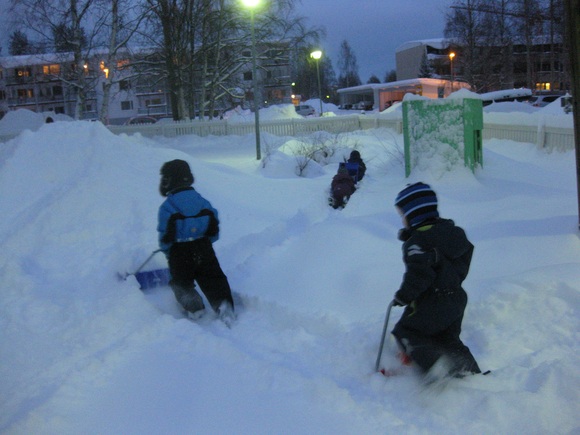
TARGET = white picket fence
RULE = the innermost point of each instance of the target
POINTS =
(551, 138)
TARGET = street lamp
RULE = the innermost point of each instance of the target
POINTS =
(451, 56)
(252, 4)
(316, 55)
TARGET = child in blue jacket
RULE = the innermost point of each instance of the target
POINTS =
(187, 227)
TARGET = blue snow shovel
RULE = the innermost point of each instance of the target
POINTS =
(150, 278)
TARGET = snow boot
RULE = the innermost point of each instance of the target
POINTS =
(226, 313)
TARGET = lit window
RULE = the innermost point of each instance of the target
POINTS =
(51, 70)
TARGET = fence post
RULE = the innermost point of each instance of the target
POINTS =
(541, 137)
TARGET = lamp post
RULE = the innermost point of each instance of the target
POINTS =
(316, 55)
(252, 4)
(451, 56)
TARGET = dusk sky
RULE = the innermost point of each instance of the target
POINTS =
(374, 28)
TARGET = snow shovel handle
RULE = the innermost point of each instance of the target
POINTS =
(145, 262)
(383, 335)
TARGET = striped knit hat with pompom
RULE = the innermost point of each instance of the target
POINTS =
(418, 203)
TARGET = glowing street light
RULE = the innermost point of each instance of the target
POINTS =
(252, 4)
(451, 56)
(316, 55)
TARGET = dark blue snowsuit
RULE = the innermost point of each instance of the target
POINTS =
(437, 256)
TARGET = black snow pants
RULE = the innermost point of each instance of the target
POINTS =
(430, 329)
(196, 261)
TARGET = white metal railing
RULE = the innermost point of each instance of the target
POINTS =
(552, 138)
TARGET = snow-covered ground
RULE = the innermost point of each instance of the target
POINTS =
(84, 353)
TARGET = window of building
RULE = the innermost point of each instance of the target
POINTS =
(248, 75)
(2, 95)
(22, 72)
(57, 90)
(51, 70)
(127, 105)
(124, 85)
(543, 86)
(25, 93)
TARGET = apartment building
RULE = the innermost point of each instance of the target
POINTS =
(539, 66)
(46, 83)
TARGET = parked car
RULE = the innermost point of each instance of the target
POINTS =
(542, 100)
(305, 110)
(365, 105)
(140, 120)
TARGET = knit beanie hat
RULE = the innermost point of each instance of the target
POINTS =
(175, 174)
(418, 203)
(355, 155)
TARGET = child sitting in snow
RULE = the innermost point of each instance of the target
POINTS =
(341, 188)
(356, 158)
(437, 256)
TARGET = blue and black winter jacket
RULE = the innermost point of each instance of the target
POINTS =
(186, 216)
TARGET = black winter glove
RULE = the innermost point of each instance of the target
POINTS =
(398, 302)
(404, 234)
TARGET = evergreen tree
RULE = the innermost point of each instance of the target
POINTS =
(425, 71)
(19, 44)
(66, 38)
(391, 76)
(373, 79)
(347, 67)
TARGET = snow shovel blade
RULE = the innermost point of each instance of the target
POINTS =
(153, 278)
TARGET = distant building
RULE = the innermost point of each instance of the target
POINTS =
(410, 55)
(38, 83)
(42, 83)
(383, 95)
(546, 60)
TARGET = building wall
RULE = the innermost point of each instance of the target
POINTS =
(408, 62)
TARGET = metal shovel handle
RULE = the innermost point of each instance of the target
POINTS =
(127, 274)
(383, 336)
(146, 261)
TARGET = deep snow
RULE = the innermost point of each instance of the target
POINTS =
(84, 353)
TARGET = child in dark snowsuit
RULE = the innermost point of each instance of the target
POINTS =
(341, 187)
(437, 255)
(187, 227)
(356, 158)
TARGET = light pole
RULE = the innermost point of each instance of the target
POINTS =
(316, 55)
(252, 4)
(451, 56)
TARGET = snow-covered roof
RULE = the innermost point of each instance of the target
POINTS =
(408, 82)
(34, 59)
(439, 43)
(506, 93)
